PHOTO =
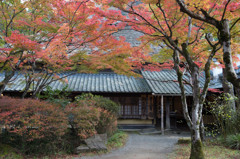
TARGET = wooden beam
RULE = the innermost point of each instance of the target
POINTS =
(162, 118)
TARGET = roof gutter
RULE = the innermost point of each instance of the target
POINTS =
(159, 94)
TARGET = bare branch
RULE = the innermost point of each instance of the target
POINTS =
(156, 19)
(197, 35)
(164, 15)
(189, 29)
(206, 18)
(225, 8)
(234, 23)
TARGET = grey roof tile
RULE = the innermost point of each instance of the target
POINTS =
(101, 82)
(165, 82)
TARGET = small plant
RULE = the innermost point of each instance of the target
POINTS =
(233, 141)
(117, 140)
(184, 140)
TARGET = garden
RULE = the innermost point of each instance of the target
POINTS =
(44, 41)
(55, 125)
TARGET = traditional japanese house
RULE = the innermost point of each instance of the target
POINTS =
(144, 101)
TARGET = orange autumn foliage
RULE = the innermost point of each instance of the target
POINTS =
(31, 118)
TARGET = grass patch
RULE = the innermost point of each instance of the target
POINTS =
(212, 150)
(117, 140)
(184, 140)
(7, 152)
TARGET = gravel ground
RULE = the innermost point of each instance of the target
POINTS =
(143, 147)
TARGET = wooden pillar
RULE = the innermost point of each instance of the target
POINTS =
(162, 118)
(155, 110)
(167, 107)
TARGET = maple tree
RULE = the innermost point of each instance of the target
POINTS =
(224, 16)
(43, 38)
(164, 25)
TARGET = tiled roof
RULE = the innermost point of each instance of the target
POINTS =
(102, 82)
(165, 82)
(215, 84)
(130, 35)
(132, 38)
(16, 83)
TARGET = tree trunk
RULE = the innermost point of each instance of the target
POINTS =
(237, 90)
(36, 92)
(228, 91)
(27, 87)
(194, 122)
(225, 38)
(196, 144)
(8, 76)
(202, 130)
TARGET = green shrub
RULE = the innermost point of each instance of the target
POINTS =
(83, 118)
(227, 120)
(107, 123)
(233, 141)
(101, 102)
(108, 105)
(108, 112)
(59, 97)
(8, 152)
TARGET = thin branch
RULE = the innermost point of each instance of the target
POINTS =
(189, 29)
(207, 68)
(234, 23)
(151, 25)
(164, 15)
(156, 18)
(76, 11)
(225, 8)
(197, 35)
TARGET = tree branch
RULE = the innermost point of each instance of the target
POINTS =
(234, 23)
(225, 8)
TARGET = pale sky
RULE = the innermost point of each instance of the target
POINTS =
(217, 71)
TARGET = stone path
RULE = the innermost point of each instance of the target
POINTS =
(143, 147)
